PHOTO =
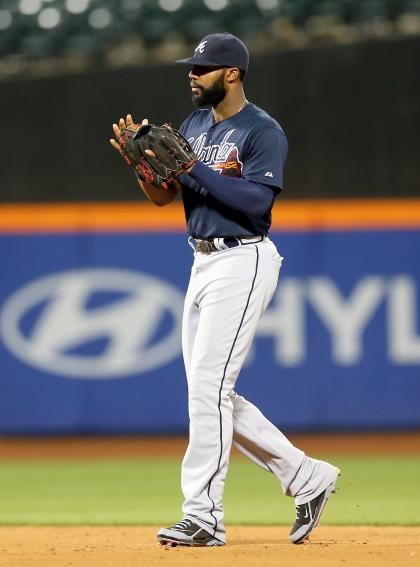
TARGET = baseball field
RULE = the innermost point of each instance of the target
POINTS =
(100, 502)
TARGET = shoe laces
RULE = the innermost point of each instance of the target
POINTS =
(184, 524)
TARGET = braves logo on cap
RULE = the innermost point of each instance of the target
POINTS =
(219, 50)
(201, 46)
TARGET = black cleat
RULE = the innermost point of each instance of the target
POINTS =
(308, 514)
(187, 533)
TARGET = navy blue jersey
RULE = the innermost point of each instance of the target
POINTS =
(250, 145)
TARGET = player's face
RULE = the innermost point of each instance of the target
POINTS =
(207, 85)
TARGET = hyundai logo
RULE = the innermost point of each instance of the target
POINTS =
(94, 323)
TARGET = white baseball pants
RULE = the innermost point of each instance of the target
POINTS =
(227, 294)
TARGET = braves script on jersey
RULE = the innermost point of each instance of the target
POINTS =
(251, 145)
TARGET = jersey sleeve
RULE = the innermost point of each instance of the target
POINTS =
(266, 157)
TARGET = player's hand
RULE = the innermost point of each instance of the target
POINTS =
(120, 126)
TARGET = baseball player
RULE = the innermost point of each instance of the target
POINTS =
(228, 191)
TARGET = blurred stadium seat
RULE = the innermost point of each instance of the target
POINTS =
(35, 29)
(408, 21)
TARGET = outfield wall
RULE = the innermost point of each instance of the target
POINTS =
(91, 300)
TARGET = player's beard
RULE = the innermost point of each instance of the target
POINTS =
(211, 96)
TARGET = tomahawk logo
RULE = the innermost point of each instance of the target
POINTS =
(97, 323)
(201, 46)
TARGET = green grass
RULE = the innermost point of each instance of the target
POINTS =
(372, 490)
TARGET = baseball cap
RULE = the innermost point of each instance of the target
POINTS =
(222, 49)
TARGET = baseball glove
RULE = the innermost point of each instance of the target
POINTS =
(171, 152)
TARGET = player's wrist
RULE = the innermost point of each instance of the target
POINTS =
(190, 168)
(198, 167)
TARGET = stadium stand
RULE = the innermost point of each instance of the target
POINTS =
(119, 32)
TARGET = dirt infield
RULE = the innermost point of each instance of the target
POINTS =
(109, 447)
(247, 546)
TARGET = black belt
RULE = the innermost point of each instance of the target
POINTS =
(209, 245)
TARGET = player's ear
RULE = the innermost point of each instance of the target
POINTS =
(232, 74)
